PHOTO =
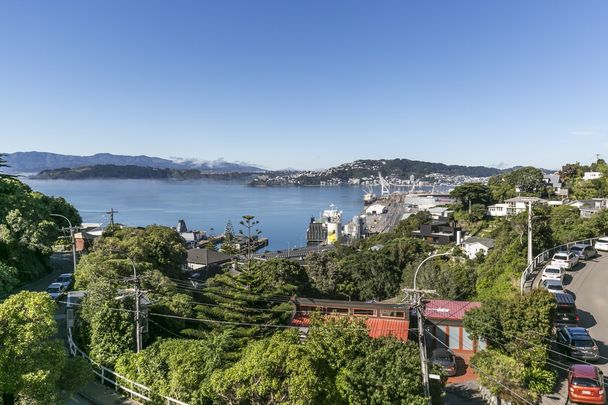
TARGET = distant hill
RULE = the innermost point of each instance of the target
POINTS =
(369, 169)
(135, 172)
(34, 162)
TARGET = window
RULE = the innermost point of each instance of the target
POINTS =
(339, 311)
(307, 308)
(364, 312)
(392, 314)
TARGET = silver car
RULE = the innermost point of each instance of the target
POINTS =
(55, 290)
(583, 252)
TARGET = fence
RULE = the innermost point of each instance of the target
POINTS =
(119, 382)
(545, 256)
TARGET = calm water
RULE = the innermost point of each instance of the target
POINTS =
(283, 212)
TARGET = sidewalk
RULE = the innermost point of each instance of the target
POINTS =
(95, 393)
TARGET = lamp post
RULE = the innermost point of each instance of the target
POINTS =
(71, 237)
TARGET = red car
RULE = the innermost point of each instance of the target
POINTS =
(586, 384)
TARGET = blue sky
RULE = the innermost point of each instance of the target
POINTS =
(307, 84)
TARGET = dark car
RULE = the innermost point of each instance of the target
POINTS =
(567, 313)
(583, 252)
(445, 359)
(586, 384)
(577, 343)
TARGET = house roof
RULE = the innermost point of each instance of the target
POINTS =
(487, 242)
(448, 310)
(316, 302)
(207, 257)
(377, 327)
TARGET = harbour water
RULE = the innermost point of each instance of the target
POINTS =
(283, 212)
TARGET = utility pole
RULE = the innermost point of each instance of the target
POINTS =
(138, 328)
(418, 303)
(111, 213)
(530, 257)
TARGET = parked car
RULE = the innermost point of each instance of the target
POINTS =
(567, 313)
(583, 251)
(552, 273)
(566, 260)
(602, 244)
(553, 286)
(55, 290)
(66, 279)
(586, 384)
(445, 359)
(576, 342)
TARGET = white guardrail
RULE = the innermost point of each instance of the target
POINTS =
(545, 256)
(119, 382)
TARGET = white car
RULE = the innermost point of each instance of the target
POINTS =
(602, 244)
(552, 273)
(55, 290)
(565, 260)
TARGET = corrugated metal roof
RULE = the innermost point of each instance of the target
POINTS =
(378, 327)
(444, 309)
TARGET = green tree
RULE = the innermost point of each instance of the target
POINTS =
(251, 232)
(106, 323)
(33, 364)
(276, 370)
(229, 244)
(179, 368)
(472, 193)
(152, 248)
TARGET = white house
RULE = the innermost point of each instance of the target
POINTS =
(513, 206)
(473, 245)
(591, 175)
(498, 210)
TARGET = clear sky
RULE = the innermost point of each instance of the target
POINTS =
(307, 84)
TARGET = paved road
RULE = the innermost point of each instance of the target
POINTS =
(589, 283)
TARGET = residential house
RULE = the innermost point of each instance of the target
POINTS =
(592, 175)
(589, 207)
(513, 206)
(440, 212)
(381, 319)
(205, 260)
(473, 245)
(444, 320)
(441, 232)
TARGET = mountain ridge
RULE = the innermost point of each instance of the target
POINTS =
(35, 162)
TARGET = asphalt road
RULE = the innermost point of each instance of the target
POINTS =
(589, 283)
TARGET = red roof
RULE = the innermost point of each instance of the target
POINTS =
(448, 310)
(377, 327)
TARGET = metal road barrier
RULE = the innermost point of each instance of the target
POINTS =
(119, 382)
(543, 257)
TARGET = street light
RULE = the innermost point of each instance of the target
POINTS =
(425, 260)
(71, 236)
